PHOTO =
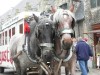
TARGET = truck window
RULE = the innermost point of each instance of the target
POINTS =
(21, 28)
(3, 38)
(13, 31)
(9, 34)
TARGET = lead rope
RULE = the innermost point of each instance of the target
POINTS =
(26, 47)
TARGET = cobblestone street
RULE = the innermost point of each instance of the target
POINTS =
(92, 72)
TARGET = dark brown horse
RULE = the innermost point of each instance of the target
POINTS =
(64, 33)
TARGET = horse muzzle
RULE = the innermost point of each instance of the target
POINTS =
(46, 51)
(66, 45)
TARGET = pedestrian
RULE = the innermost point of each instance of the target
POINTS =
(74, 42)
(74, 50)
(86, 63)
(83, 53)
(85, 39)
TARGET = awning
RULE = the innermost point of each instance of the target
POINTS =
(93, 31)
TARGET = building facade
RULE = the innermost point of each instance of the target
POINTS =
(88, 14)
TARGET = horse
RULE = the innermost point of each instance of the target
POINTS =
(64, 33)
(28, 49)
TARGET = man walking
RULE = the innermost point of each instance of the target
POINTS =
(83, 52)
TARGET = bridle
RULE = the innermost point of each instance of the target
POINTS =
(60, 32)
(44, 47)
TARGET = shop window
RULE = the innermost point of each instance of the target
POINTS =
(95, 3)
(98, 2)
(21, 28)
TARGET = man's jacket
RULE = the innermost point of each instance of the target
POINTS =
(83, 50)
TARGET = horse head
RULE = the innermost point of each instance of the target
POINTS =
(64, 23)
(42, 34)
(46, 35)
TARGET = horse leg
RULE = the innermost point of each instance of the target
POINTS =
(23, 71)
(55, 69)
(66, 70)
(17, 65)
(72, 69)
(72, 65)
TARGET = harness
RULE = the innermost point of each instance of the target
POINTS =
(64, 30)
(59, 32)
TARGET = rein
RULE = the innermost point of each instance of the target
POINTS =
(45, 47)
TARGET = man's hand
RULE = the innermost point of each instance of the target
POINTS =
(91, 58)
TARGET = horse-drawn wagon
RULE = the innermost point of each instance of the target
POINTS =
(38, 44)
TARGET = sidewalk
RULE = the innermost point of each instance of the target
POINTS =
(91, 72)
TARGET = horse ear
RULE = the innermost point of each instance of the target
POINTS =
(36, 34)
(36, 18)
(71, 8)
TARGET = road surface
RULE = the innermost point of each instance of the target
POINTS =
(92, 72)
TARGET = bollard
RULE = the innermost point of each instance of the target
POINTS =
(98, 61)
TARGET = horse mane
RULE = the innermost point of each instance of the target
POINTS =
(58, 16)
(44, 20)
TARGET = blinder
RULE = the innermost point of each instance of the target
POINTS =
(45, 47)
